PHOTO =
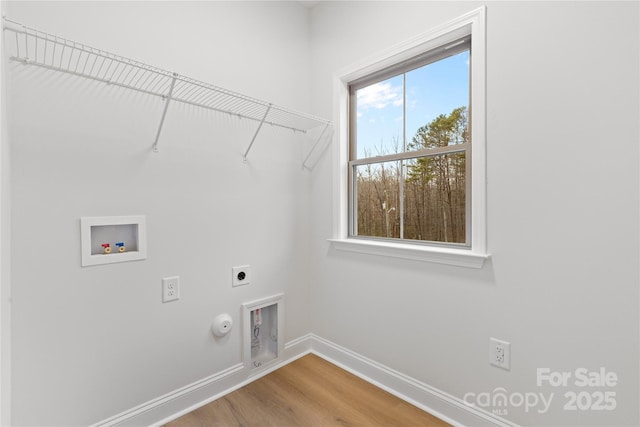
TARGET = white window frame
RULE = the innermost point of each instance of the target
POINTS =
(473, 24)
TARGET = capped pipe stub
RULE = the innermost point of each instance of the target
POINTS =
(222, 325)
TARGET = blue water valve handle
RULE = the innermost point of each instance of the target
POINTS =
(121, 246)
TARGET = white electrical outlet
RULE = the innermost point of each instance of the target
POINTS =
(170, 288)
(241, 275)
(500, 353)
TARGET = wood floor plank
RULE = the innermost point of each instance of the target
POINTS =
(309, 392)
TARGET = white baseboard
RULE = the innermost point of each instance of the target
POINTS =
(174, 404)
(186, 399)
(438, 403)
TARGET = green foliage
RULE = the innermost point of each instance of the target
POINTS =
(442, 131)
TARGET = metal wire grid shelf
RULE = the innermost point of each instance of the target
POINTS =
(49, 51)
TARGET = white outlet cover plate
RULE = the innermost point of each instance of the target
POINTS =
(236, 281)
(500, 353)
(170, 288)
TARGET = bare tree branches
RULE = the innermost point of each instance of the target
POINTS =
(433, 200)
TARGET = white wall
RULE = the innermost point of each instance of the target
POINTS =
(5, 249)
(89, 343)
(562, 283)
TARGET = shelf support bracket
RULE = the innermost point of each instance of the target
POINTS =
(164, 112)
(244, 158)
(304, 162)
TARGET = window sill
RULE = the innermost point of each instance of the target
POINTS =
(449, 256)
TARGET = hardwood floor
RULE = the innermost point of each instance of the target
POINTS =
(309, 392)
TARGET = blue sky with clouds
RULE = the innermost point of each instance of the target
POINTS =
(431, 90)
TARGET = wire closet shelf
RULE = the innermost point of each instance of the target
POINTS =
(34, 47)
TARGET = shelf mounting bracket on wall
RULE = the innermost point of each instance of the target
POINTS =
(35, 47)
(306, 159)
(167, 100)
(244, 157)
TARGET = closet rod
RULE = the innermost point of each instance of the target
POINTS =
(34, 47)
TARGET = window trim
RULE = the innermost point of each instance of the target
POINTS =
(472, 23)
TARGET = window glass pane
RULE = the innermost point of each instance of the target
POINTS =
(434, 198)
(379, 119)
(424, 198)
(378, 199)
(437, 103)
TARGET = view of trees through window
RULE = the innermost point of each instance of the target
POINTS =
(434, 206)
(413, 184)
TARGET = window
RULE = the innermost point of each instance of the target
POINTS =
(408, 144)
(411, 152)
